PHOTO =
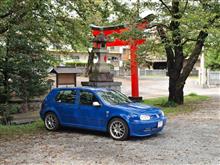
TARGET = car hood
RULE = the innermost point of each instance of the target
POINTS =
(138, 108)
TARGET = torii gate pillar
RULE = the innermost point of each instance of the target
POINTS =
(134, 72)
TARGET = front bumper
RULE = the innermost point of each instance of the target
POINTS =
(146, 128)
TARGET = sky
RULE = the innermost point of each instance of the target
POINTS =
(142, 14)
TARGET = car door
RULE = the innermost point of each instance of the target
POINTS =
(91, 116)
(66, 106)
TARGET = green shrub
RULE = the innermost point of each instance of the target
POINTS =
(168, 104)
(192, 94)
(14, 108)
(76, 64)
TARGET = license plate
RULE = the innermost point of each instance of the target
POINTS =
(160, 124)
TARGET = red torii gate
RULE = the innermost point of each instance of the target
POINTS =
(108, 30)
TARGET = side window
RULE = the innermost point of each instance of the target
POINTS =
(87, 98)
(66, 96)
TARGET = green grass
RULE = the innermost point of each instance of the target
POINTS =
(12, 130)
(189, 105)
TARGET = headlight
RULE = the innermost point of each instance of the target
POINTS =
(144, 117)
(162, 113)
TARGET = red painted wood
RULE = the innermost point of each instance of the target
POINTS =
(134, 71)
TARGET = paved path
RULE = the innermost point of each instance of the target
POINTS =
(150, 87)
(187, 139)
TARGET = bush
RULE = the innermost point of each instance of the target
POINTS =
(76, 64)
(14, 108)
(168, 104)
(192, 94)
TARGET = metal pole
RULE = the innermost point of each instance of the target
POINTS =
(203, 79)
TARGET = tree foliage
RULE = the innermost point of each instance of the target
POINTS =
(183, 28)
(23, 43)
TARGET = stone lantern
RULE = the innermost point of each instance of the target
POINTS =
(100, 70)
(101, 75)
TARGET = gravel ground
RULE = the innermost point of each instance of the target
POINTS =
(187, 139)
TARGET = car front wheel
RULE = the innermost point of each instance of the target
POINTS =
(51, 121)
(118, 129)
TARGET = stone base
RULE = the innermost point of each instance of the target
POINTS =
(101, 77)
(136, 99)
(109, 85)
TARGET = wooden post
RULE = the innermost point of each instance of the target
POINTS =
(57, 80)
(75, 79)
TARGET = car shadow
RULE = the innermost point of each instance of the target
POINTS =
(83, 131)
(105, 134)
(151, 137)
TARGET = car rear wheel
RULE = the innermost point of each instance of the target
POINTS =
(118, 129)
(51, 122)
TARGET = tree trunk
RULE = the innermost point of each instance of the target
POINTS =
(178, 78)
(5, 74)
(6, 87)
(176, 93)
(179, 95)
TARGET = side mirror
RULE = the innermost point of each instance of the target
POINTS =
(96, 104)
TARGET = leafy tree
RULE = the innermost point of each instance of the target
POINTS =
(212, 59)
(23, 58)
(183, 27)
(212, 50)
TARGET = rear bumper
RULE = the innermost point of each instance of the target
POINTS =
(146, 128)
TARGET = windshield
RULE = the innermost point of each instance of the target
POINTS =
(113, 97)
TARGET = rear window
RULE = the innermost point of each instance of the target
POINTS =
(66, 96)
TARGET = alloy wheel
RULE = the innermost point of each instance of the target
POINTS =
(117, 129)
(51, 121)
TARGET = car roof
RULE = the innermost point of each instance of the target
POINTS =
(82, 88)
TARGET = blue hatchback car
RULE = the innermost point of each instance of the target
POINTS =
(100, 109)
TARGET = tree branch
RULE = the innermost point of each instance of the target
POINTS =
(187, 40)
(3, 29)
(212, 21)
(186, 4)
(6, 14)
(194, 56)
(168, 49)
(166, 6)
(158, 24)
(80, 13)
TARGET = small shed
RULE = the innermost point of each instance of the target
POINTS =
(66, 75)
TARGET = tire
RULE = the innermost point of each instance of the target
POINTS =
(51, 122)
(118, 129)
